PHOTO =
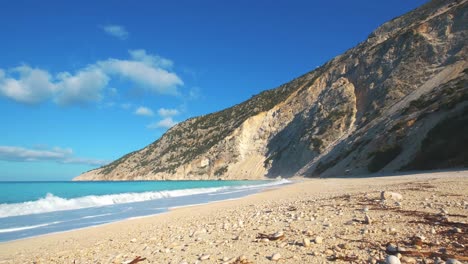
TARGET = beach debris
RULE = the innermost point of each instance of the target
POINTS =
(318, 240)
(348, 258)
(275, 257)
(386, 195)
(276, 236)
(204, 257)
(136, 260)
(391, 259)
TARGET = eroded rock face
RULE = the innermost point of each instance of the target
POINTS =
(368, 110)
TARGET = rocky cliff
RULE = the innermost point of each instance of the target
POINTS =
(397, 101)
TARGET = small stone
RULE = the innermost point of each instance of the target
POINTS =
(204, 257)
(133, 240)
(264, 240)
(391, 249)
(367, 220)
(318, 240)
(275, 257)
(328, 252)
(386, 195)
(372, 260)
(390, 259)
(408, 260)
(433, 231)
(306, 242)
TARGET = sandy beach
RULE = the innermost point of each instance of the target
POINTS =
(421, 217)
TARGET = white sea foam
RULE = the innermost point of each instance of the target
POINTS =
(7, 230)
(52, 203)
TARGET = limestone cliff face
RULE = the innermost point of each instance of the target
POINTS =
(381, 106)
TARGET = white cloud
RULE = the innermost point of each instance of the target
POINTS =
(164, 112)
(59, 155)
(116, 31)
(150, 77)
(85, 86)
(33, 85)
(152, 60)
(144, 111)
(167, 122)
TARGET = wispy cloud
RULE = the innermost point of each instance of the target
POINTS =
(59, 155)
(144, 111)
(30, 85)
(116, 31)
(167, 122)
(165, 112)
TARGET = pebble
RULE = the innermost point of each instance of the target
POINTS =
(391, 248)
(367, 220)
(275, 257)
(408, 260)
(133, 240)
(386, 195)
(318, 240)
(390, 259)
(306, 242)
(204, 257)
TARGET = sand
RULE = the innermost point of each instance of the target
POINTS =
(311, 221)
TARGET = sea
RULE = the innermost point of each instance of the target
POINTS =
(30, 209)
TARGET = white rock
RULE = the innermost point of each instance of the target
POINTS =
(275, 257)
(318, 240)
(386, 195)
(390, 259)
(306, 242)
(133, 240)
(204, 257)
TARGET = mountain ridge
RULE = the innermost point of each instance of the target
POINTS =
(357, 113)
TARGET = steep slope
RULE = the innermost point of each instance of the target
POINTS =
(378, 107)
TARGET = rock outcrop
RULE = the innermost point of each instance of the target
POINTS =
(397, 101)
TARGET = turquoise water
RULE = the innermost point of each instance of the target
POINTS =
(35, 208)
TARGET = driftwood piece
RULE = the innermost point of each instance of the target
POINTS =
(136, 260)
(272, 237)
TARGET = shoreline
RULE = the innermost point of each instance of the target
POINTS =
(165, 210)
(229, 228)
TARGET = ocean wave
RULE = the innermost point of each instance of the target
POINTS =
(52, 203)
(14, 229)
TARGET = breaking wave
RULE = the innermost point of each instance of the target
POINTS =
(52, 203)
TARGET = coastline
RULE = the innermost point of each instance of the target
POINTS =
(224, 230)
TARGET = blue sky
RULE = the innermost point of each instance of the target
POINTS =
(85, 82)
